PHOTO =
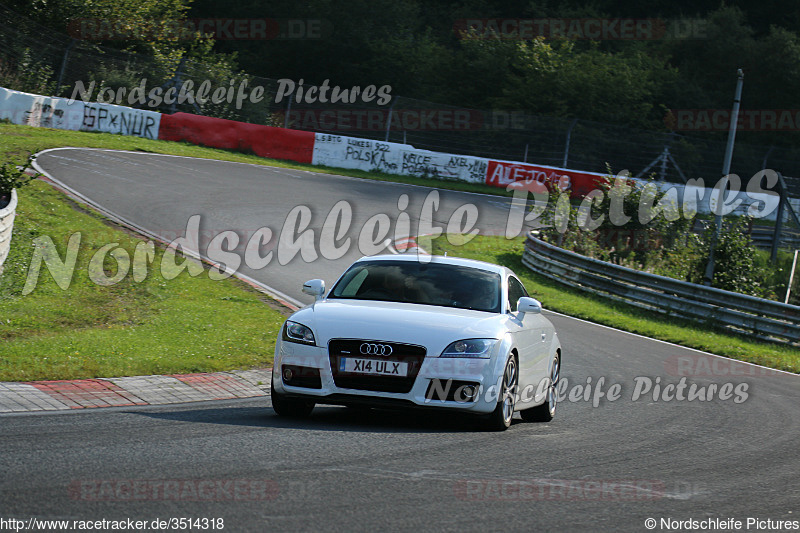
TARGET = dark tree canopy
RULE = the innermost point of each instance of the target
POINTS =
(413, 46)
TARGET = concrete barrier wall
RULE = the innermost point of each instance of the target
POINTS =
(337, 151)
(109, 118)
(40, 111)
(6, 227)
(49, 112)
(264, 141)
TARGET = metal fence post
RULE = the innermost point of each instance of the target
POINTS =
(389, 119)
(64, 65)
(288, 111)
(791, 278)
(177, 82)
(776, 235)
(726, 170)
(569, 138)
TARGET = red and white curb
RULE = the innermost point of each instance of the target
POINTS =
(407, 244)
(129, 391)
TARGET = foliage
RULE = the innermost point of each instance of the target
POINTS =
(626, 222)
(30, 74)
(151, 41)
(145, 23)
(560, 78)
(12, 177)
(642, 228)
(736, 265)
(574, 302)
(414, 47)
(417, 49)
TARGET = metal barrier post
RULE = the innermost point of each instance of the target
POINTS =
(791, 278)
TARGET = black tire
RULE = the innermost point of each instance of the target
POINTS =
(500, 418)
(290, 407)
(547, 411)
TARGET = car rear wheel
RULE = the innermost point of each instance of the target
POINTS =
(500, 418)
(546, 411)
(290, 407)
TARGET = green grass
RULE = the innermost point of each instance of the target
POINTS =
(570, 301)
(194, 324)
(156, 326)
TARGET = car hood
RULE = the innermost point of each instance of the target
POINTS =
(430, 326)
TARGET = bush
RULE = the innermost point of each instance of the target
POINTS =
(28, 74)
(736, 263)
(648, 240)
(664, 244)
(12, 178)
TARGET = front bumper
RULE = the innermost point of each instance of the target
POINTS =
(443, 376)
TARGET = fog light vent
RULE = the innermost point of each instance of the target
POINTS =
(301, 376)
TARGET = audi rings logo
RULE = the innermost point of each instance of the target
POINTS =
(369, 348)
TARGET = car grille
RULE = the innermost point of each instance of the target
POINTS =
(407, 353)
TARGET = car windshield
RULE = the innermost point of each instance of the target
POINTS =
(421, 283)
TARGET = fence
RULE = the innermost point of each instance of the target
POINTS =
(37, 60)
(6, 227)
(757, 317)
(53, 63)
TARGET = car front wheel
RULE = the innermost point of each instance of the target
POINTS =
(547, 411)
(500, 418)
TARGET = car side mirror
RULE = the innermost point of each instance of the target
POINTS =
(315, 288)
(529, 305)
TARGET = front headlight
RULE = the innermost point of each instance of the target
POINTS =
(479, 348)
(294, 332)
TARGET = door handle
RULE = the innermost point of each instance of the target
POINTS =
(544, 337)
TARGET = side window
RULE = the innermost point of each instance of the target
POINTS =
(515, 291)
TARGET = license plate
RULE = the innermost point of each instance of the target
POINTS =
(373, 366)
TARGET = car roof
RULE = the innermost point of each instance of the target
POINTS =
(440, 259)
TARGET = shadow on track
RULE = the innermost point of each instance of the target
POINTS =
(327, 418)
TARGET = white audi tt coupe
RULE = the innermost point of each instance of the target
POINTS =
(430, 332)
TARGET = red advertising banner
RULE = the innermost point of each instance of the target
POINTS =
(503, 173)
(265, 141)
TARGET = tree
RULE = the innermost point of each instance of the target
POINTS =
(735, 260)
(558, 78)
(148, 27)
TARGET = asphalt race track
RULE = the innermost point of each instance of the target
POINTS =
(605, 467)
(161, 193)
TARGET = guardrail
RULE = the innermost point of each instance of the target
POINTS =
(6, 227)
(763, 238)
(756, 317)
